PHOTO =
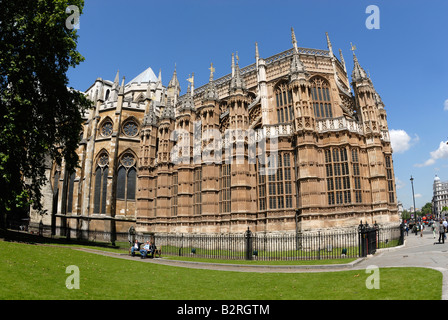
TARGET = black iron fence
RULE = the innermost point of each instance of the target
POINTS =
(354, 243)
(301, 246)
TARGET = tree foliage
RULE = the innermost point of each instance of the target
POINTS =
(40, 117)
(427, 209)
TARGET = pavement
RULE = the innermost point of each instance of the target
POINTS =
(417, 251)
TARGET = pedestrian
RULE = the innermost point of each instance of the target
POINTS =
(441, 232)
(445, 224)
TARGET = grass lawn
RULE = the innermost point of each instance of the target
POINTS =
(35, 272)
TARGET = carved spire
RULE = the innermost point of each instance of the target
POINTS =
(190, 90)
(188, 102)
(150, 118)
(358, 73)
(210, 93)
(237, 82)
(330, 47)
(257, 55)
(168, 111)
(116, 81)
(233, 65)
(297, 71)
(115, 87)
(174, 83)
(294, 41)
(342, 60)
(122, 87)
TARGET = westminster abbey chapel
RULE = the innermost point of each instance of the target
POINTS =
(286, 144)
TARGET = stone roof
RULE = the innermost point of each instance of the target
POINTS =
(146, 76)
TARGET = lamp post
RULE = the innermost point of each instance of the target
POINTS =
(413, 197)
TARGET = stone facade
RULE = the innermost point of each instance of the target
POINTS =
(286, 144)
(440, 197)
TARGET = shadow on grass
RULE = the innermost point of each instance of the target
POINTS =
(30, 238)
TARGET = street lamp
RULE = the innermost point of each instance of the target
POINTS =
(413, 197)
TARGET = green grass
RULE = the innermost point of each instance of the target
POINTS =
(36, 272)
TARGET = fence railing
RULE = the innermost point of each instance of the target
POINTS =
(250, 246)
(300, 246)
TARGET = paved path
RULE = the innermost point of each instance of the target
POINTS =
(418, 251)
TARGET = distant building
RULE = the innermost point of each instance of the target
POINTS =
(331, 166)
(440, 196)
(400, 208)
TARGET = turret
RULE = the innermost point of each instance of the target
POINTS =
(297, 72)
(174, 88)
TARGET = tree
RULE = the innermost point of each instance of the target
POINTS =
(427, 209)
(405, 215)
(39, 115)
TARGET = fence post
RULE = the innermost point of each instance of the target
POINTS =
(249, 240)
(401, 241)
(361, 244)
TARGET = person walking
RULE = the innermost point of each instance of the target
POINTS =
(445, 224)
(441, 232)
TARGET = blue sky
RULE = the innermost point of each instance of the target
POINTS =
(407, 57)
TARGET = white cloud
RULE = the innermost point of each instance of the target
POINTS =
(445, 105)
(401, 141)
(418, 195)
(399, 184)
(440, 153)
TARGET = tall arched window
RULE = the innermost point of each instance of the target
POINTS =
(101, 172)
(320, 95)
(283, 97)
(71, 186)
(126, 178)
(338, 176)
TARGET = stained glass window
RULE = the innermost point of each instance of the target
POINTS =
(100, 191)
(126, 178)
(106, 129)
(320, 95)
(130, 129)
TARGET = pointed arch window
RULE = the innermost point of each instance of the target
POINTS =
(338, 176)
(100, 188)
(126, 178)
(174, 195)
(71, 186)
(321, 99)
(390, 178)
(224, 189)
(280, 182)
(197, 196)
(283, 97)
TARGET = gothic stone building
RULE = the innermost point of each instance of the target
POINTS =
(286, 144)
